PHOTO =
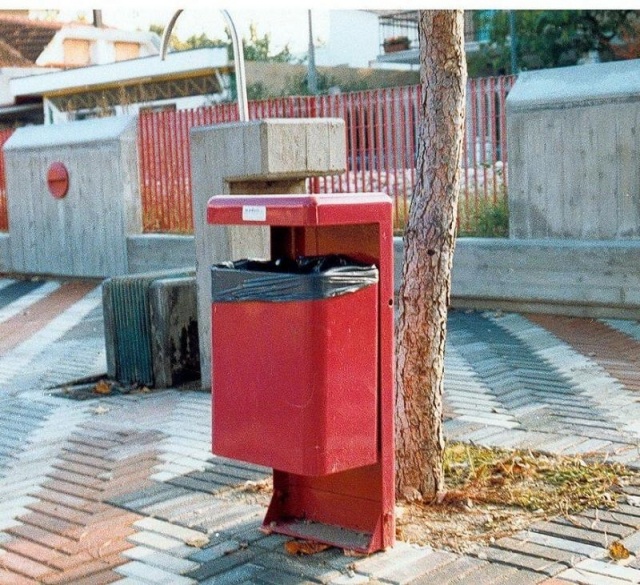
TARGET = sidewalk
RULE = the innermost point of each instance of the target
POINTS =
(123, 489)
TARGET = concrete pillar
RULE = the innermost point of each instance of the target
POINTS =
(260, 157)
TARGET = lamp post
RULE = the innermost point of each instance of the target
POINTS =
(514, 42)
(312, 74)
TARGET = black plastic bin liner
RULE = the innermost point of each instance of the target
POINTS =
(304, 279)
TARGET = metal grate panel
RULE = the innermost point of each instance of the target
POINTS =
(127, 325)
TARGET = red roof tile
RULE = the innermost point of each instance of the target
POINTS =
(28, 37)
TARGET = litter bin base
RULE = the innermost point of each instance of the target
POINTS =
(341, 509)
(324, 533)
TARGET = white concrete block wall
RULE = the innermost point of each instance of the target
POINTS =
(85, 233)
(573, 141)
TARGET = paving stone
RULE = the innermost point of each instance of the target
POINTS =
(524, 577)
(487, 575)
(222, 565)
(282, 578)
(24, 566)
(161, 560)
(505, 440)
(228, 518)
(632, 542)
(459, 432)
(399, 573)
(142, 499)
(590, 446)
(313, 568)
(152, 574)
(178, 532)
(504, 422)
(235, 576)
(520, 560)
(569, 558)
(559, 444)
(587, 578)
(574, 533)
(350, 580)
(609, 569)
(220, 549)
(273, 542)
(481, 434)
(615, 516)
(250, 533)
(597, 527)
(580, 548)
(156, 541)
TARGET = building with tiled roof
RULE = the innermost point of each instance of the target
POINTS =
(28, 38)
(31, 47)
(10, 57)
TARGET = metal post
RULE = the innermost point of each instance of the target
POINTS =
(312, 74)
(514, 42)
(238, 60)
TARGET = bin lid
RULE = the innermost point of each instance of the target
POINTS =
(299, 210)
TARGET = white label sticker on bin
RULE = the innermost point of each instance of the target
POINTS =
(254, 213)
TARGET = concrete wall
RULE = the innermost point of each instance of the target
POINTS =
(85, 233)
(5, 253)
(568, 277)
(573, 140)
(153, 252)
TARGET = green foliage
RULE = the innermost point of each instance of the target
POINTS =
(256, 48)
(298, 85)
(484, 218)
(202, 41)
(489, 61)
(550, 38)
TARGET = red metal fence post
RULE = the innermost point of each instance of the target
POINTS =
(4, 213)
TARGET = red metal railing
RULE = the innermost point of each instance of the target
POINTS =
(4, 215)
(381, 133)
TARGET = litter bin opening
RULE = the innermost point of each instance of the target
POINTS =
(286, 279)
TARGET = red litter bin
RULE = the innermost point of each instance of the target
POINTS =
(297, 348)
(302, 362)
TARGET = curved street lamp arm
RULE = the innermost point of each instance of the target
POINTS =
(238, 60)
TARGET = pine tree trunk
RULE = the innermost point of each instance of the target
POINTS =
(429, 243)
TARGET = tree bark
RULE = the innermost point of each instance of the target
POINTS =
(429, 243)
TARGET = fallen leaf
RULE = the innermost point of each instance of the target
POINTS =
(354, 553)
(197, 541)
(618, 551)
(304, 547)
(102, 387)
(258, 486)
(100, 410)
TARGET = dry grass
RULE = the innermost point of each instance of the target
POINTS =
(532, 481)
(492, 493)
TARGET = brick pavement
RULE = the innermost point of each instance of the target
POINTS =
(123, 489)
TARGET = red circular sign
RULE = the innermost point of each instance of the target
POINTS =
(58, 180)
